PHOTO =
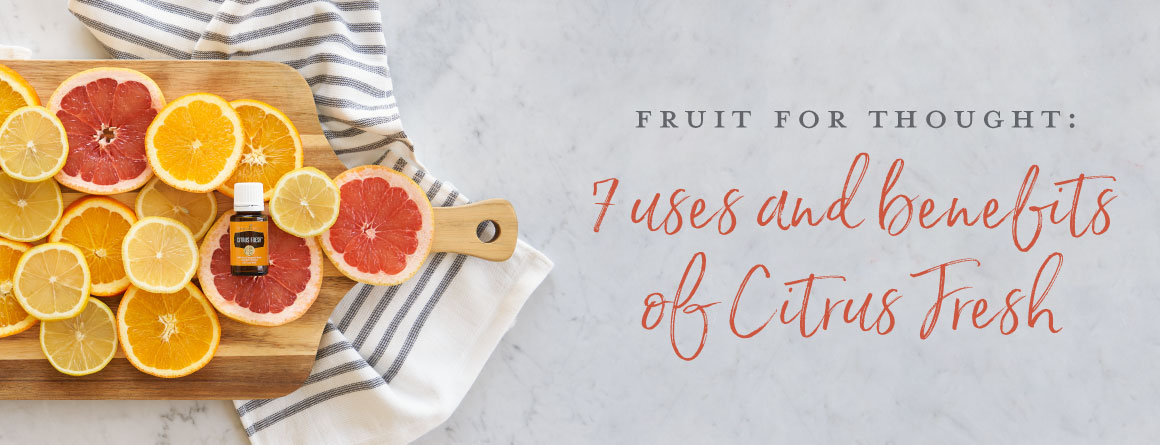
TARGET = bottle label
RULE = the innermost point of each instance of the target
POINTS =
(248, 243)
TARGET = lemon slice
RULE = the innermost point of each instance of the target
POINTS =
(33, 144)
(196, 210)
(52, 281)
(30, 209)
(83, 344)
(305, 202)
(159, 254)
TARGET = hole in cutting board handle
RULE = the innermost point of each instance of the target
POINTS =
(464, 229)
(488, 236)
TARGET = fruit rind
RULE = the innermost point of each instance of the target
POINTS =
(84, 290)
(105, 308)
(127, 347)
(424, 205)
(285, 179)
(59, 210)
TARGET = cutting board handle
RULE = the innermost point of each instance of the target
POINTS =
(455, 229)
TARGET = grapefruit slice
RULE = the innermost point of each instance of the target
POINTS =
(384, 227)
(105, 112)
(277, 298)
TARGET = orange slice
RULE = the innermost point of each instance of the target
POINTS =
(159, 254)
(52, 281)
(305, 202)
(15, 92)
(33, 144)
(196, 210)
(272, 147)
(168, 335)
(195, 143)
(81, 345)
(30, 209)
(97, 225)
(13, 318)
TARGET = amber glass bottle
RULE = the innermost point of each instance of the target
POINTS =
(249, 240)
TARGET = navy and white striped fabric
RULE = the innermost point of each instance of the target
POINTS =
(393, 361)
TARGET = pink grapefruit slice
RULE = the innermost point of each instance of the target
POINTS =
(384, 228)
(277, 298)
(105, 112)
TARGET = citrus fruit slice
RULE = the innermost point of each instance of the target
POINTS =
(33, 144)
(195, 143)
(272, 147)
(52, 281)
(384, 227)
(168, 335)
(159, 254)
(81, 345)
(105, 112)
(30, 209)
(15, 92)
(305, 202)
(277, 298)
(97, 225)
(195, 210)
(13, 318)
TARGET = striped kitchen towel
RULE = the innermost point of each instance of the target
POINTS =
(394, 362)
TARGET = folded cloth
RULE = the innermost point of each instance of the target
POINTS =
(393, 362)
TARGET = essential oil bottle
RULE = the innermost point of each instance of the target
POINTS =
(249, 240)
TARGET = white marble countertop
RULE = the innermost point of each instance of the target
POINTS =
(551, 88)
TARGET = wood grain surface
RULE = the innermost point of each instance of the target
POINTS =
(252, 362)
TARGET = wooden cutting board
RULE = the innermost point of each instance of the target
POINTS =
(252, 362)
